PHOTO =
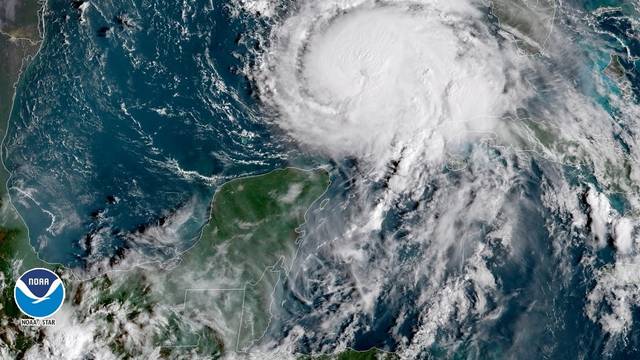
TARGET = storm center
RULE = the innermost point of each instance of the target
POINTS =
(375, 75)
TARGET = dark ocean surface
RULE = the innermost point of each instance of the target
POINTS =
(132, 113)
(135, 111)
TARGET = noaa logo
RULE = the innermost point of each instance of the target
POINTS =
(39, 293)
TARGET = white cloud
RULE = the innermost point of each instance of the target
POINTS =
(354, 78)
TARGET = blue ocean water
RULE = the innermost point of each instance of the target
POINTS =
(135, 111)
(132, 113)
(541, 314)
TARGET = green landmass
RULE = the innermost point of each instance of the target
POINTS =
(228, 278)
(19, 42)
(248, 246)
(372, 354)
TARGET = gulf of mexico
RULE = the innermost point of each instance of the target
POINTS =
(125, 123)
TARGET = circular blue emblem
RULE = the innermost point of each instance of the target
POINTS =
(39, 293)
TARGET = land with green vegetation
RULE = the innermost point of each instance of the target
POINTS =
(373, 354)
(218, 297)
(228, 278)
(19, 42)
(245, 251)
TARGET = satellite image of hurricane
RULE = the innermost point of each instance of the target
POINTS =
(320, 179)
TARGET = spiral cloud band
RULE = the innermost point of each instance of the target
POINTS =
(406, 87)
(386, 74)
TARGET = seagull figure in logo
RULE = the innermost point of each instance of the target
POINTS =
(25, 290)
